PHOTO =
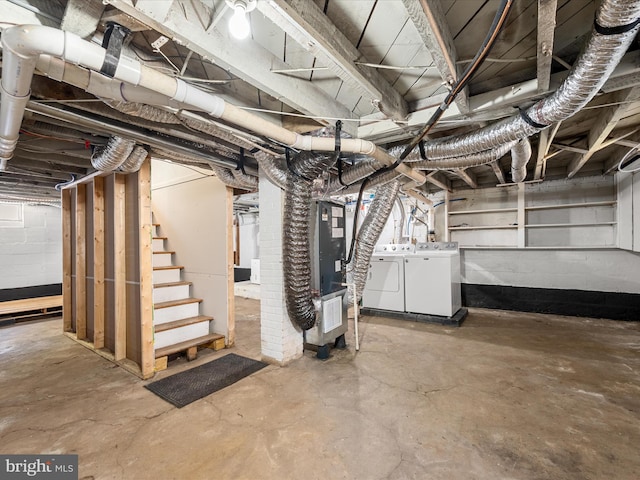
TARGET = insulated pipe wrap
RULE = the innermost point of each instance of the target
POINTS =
(370, 231)
(296, 254)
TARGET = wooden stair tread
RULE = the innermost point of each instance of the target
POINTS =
(169, 267)
(155, 224)
(171, 284)
(164, 251)
(175, 303)
(183, 322)
(160, 238)
(178, 347)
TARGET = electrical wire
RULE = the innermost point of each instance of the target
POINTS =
(355, 221)
(461, 83)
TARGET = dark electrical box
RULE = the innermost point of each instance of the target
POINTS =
(328, 248)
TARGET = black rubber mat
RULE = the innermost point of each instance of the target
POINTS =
(185, 387)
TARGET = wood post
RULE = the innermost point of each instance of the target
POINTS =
(120, 280)
(66, 261)
(146, 270)
(81, 262)
(98, 259)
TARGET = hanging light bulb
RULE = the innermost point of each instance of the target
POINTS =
(239, 22)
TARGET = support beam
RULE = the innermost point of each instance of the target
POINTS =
(81, 262)
(544, 143)
(246, 60)
(120, 267)
(306, 23)
(467, 176)
(497, 169)
(98, 263)
(545, 31)
(439, 180)
(146, 270)
(429, 19)
(619, 152)
(603, 126)
(66, 261)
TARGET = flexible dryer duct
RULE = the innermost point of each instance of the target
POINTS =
(110, 157)
(296, 255)
(370, 231)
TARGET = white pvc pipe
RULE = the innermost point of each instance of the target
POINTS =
(22, 46)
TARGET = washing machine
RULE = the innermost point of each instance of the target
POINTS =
(385, 285)
(432, 279)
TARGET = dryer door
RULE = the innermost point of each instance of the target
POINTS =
(385, 284)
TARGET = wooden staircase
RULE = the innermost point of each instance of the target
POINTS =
(178, 324)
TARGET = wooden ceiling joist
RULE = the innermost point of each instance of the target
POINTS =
(467, 176)
(546, 30)
(430, 21)
(602, 127)
(305, 22)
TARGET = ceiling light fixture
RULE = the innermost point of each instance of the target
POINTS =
(239, 23)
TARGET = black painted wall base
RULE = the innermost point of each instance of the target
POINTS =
(578, 303)
(7, 294)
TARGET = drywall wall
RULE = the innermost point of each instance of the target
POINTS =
(31, 239)
(190, 205)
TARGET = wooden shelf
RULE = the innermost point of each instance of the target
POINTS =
(484, 227)
(564, 225)
(571, 205)
(488, 210)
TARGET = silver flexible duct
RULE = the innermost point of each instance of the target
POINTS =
(472, 160)
(357, 171)
(383, 178)
(147, 112)
(592, 68)
(272, 169)
(178, 157)
(227, 177)
(110, 157)
(134, 161)
(296, 257)
(369, 233)
(249, 181)
(520, 155)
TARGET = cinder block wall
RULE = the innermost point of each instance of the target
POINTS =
(31, 252)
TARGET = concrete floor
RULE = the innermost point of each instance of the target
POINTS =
(506, 396)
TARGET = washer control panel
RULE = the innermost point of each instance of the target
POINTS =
(433, 246)
(395, 248)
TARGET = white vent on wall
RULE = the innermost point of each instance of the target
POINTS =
(331, 314)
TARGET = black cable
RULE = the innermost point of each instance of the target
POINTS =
(355, 221)
(483, 52)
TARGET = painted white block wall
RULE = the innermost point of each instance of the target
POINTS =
(281, 342)
(190, 207)
(31, 251)
(249, 239)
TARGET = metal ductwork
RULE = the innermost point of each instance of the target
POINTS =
(270, 167)
(602, 52)
(520, 155)
(369, 233)
(110, 157)
(296, 260)
(472, 160)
